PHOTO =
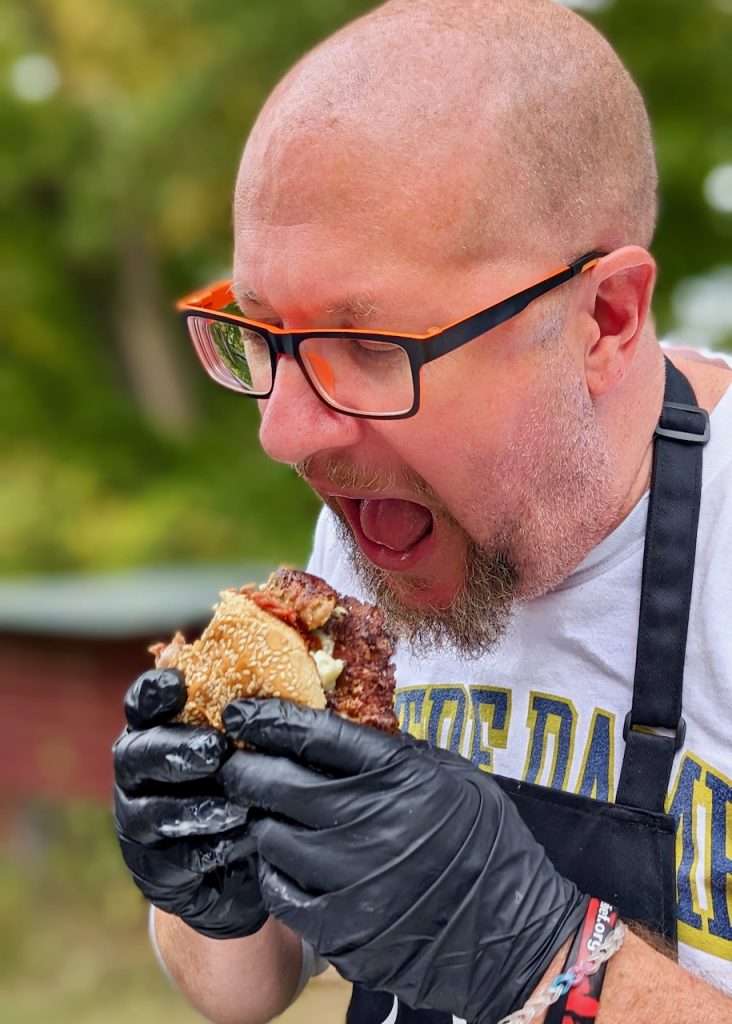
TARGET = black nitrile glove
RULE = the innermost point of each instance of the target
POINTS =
(187, 847)
(403, 865)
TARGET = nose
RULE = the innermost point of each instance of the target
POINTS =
(295, 423)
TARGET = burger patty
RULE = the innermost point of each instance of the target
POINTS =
(364, 691)
(310, 598)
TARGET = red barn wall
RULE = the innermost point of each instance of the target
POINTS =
(60, 712)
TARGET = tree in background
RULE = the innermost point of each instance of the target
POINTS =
(122, 126)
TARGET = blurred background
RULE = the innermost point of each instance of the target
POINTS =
(132, 488)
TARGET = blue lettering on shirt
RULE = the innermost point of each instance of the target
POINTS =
(476, 721)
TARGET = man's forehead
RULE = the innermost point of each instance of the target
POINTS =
(330, 267)
(359, 264)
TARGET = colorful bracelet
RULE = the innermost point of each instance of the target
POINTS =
(599, 936)
(581, 1001)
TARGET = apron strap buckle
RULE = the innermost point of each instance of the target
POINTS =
(675, 433)
(678, 735)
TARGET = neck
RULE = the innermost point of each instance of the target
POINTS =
(628, 416)
(635, 416)
(710, 378)
(614, 454)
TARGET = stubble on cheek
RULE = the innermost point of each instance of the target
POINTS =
(535, 514)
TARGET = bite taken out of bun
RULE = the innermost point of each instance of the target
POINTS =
(296, 638)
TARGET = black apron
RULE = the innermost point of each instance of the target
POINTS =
(625, 852)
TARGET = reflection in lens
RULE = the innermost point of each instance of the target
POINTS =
(360, 375)
(232, 351)
(234, 356)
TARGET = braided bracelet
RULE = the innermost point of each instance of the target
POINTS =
(573, 976)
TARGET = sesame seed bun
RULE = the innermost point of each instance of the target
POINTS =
(243, 652)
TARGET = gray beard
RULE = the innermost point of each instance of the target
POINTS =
(472, 625)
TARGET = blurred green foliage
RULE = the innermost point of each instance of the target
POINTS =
(115, 192)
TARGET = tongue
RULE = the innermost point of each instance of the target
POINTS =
(394, 524)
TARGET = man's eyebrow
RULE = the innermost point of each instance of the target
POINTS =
(351, 307)
(245, 295)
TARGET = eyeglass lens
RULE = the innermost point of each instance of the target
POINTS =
(370, 377)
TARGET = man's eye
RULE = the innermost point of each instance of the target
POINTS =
(377, 348)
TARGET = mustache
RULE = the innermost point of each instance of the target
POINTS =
(364, 478)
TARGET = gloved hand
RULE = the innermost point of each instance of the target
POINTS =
(403, 865)
(187, 847)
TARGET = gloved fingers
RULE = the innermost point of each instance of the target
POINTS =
(298, 853)
(177, 866)
(198, 880)
(332, 859)
(444, 757)
(290, 903)
(210, 816)
(156, 696)
(167, 754)
(317, 738)
(237, 852)
(152, 819)
(323, 920)
(256, 916)
(228, 904)
(289, 789)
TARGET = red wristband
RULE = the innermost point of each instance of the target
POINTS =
(581, 1004)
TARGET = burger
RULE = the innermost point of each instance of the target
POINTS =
(293, 637)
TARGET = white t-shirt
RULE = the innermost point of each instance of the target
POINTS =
(548, 704)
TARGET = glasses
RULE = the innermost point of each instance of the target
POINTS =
(371, 374)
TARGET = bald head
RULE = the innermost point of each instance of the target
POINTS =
(506, 126)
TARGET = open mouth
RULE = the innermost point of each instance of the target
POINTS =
(393, 533)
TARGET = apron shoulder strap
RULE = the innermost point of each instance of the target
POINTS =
(654, 729)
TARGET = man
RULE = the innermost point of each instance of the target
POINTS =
(427, 162)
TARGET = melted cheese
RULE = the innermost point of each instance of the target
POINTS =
(329, 668)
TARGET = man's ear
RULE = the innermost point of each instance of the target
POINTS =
(622, 286)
